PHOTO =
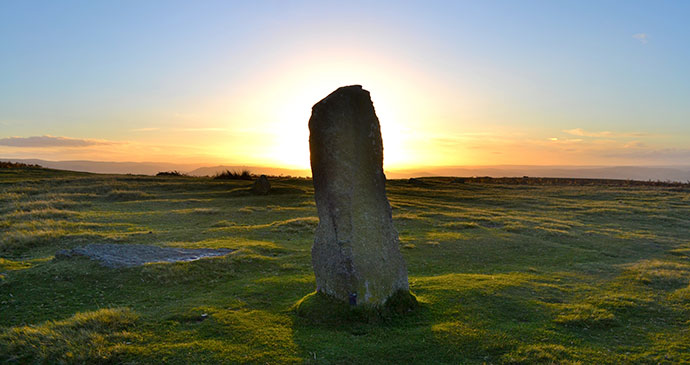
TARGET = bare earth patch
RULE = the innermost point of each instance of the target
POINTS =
(125, 255)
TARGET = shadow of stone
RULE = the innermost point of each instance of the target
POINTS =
(422, 335)
(321, 309)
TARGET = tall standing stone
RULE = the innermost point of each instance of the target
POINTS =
(356, 255)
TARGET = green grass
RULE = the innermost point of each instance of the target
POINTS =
(503, 273)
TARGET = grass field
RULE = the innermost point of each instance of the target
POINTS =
(505, 273)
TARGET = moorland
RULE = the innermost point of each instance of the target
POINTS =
(505, 271)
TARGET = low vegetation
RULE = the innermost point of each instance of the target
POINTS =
(503, 272)
(234, 175)
(170, 173)
(16, 165)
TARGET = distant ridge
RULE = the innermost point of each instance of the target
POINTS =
(152, 168)
(103, 167)
(643, 173)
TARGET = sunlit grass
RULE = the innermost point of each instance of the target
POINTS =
(104, 330)
(503, 274)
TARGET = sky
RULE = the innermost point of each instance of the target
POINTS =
(454, 83)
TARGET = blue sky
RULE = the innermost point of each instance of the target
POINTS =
(454, 83)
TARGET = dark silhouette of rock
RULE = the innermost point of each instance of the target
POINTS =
(356, 255)
(261, 186)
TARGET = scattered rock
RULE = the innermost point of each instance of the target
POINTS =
(356, 255)
(261, 186)
(125, 255)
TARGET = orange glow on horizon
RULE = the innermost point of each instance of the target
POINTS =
(423, 124)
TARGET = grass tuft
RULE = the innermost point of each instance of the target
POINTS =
(126, 195)
(170, 173)
(584, 315)
(539, 354)
(105, 330)
(661, 274)
(234, 175)
(297, 225)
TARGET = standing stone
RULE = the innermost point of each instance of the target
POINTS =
(356, 255)
(261, 186)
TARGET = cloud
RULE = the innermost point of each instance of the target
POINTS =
(199, 129)
(50, 141)
(211, 129)
(642, 37)
(565, 140)
(149, 129)
(668, 156)
(635, 144)
(583, 133)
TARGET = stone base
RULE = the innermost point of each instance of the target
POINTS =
(319, 308)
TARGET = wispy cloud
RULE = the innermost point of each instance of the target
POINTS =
(583, 133)
(50, 141)
(642, 37)
(211, 129)
(603, 134)
(148, 129)
(201, 129)
(635, 144)
(565, 140)
(669, 156)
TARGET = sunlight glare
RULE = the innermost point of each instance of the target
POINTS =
(305, 86)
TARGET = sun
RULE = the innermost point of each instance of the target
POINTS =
(290, 130)
(290, 147)
(287, 92)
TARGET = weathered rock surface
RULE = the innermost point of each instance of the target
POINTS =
(356, 255)
(261, 186)
(125, 255)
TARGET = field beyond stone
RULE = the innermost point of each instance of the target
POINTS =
(505, 273)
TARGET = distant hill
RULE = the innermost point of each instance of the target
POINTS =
(103, 167)
(152, 168)
(644, 173)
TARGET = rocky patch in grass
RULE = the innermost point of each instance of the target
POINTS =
(124, 255)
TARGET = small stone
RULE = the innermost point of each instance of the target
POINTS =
(261, 186)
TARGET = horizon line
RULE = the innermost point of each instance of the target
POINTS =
(237, 164)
